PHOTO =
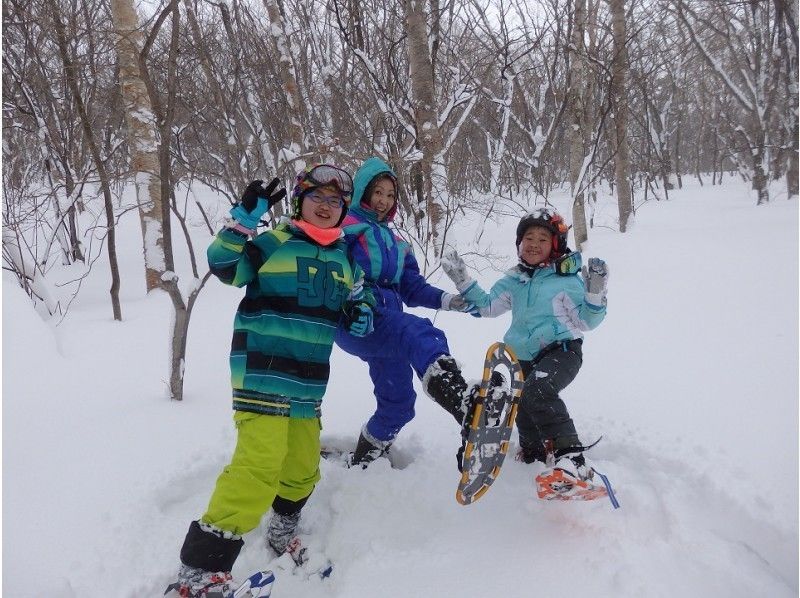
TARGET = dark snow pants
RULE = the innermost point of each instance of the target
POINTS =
(542, 414)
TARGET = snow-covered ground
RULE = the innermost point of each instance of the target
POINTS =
(692, 380)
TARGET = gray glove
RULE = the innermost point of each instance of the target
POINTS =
(456, 303)
(456, 269)
(595, 280)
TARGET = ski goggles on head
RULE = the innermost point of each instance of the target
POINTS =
(321, 175)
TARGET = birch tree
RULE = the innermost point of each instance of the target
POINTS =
(142, 141)
(289, 156)
(619, 75)
(576, 95)
(428, 136)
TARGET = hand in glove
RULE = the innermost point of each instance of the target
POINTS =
(256, 200)
(456, 269)
(452, 302)
(359, 320)
(595, 280)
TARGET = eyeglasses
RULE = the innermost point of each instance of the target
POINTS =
(330, 201)
(325, 174)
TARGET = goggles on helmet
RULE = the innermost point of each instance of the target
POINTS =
(321, 175)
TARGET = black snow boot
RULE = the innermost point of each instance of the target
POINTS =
(445, 384)
(368, 449)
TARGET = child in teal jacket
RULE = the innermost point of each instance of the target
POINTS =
(301, 284)
(551, 307)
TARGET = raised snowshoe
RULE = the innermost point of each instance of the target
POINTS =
(488, 425)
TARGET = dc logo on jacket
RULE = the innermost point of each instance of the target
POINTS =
(320, 283)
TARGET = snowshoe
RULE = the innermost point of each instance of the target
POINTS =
(198, 583)
(569, 477)
(489, 424)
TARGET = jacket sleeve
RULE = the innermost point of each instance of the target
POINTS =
(414, 289)
(492, 304)
(573, 311)
(229, 258)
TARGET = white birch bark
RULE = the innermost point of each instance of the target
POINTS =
(143, 145)
(619, 75)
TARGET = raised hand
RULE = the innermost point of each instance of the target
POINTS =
(595, 280)
(456, 269)
(256, 200)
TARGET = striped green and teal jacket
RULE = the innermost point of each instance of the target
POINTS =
(297, 291)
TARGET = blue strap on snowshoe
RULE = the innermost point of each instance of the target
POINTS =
(611, 496)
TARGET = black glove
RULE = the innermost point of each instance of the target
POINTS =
(272, 192)
(256, 200)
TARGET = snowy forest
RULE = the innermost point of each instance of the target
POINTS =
(664, 131)
(506, 99)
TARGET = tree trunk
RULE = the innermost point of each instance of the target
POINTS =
(760, 176)
(429, 138)
(792, 170)
(143, 145)
(576, 122)
(289, 157)
(619, 73)
(71, 70)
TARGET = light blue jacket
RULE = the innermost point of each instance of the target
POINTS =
(545, 307)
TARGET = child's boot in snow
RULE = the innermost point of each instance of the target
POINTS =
(199, 583)
(368, 449)
(281, 530)
(207, 557)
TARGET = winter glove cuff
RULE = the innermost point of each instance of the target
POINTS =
(249, 220)
(596, 299)
(451, 302)
(359, 320)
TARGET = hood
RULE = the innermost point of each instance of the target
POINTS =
(370, 169)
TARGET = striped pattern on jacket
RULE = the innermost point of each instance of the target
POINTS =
(297, 291)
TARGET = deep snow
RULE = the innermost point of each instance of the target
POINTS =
(692, 380)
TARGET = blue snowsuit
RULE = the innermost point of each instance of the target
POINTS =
(401, 343)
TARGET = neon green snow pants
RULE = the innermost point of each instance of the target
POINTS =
(274, 456)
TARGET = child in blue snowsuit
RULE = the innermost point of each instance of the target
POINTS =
(551, 307)
(402, 344)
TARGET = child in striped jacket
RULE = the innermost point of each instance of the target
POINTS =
(301, 285)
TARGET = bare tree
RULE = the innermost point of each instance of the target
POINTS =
(577, 95)
(71, 73)
(619, 74)
(748, 71)
(428, 136)
(142, 141)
